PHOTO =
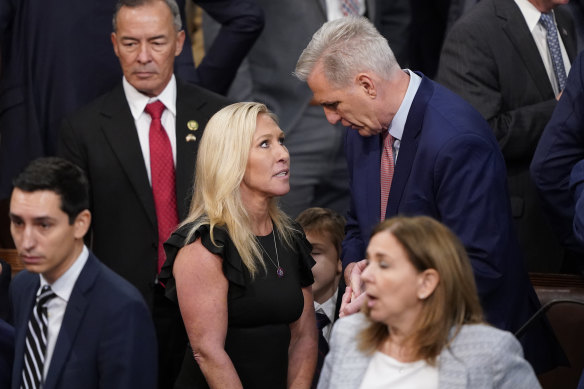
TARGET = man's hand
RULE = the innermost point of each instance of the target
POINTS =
(353, 298)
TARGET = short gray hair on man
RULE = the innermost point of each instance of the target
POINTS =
(347, 46)
(172, 5)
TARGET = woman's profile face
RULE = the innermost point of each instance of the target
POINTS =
(267, 173)
(392, 283)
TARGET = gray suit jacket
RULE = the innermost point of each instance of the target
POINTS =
(478, 357)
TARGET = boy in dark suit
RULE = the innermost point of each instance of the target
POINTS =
(325, 230)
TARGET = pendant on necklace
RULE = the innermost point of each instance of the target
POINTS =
(280, 272)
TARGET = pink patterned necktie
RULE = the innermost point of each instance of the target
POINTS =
(163, 178)
(386, 171)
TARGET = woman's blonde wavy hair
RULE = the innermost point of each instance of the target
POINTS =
(221, 163)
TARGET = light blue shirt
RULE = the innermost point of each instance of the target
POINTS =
(397, 125)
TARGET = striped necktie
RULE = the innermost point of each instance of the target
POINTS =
(36, 341)
(547, 21)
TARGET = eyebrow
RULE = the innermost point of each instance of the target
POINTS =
(39, 219)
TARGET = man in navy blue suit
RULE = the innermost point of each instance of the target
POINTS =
(447, 163)
(99, 333)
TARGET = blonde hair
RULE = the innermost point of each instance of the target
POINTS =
(221, 163)
(431, 245)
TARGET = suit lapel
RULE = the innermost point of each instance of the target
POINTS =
(188, 113)
(514, 25)
(566, 30)
(120, 130)
(72, 319)
(409, 145)
(366, 178)
(26, 303)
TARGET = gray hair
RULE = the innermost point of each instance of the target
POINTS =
(345, 47)
(172, 5)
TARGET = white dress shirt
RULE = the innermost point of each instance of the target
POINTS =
(56, 307)
(387, 372)
(539, 33)
(328, 308)
(398, 123)
(137, 102)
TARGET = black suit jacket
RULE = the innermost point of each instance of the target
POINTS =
(106, 338)
(102, 139)
(490, 58)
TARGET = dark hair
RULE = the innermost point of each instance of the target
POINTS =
(60, 176)
(323, 221)
(172, 5)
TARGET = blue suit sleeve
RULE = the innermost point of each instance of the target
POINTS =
(471, 199)
(241, 21)
(562, 146)
(577, 187)
(127, 350)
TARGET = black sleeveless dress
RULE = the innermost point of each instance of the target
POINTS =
(259, 311)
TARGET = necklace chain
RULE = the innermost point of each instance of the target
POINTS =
(279, 269)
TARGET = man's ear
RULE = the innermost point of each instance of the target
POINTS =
(82, 223)
(180, 40)
(427, 283)
(339, 266)
(365, 82)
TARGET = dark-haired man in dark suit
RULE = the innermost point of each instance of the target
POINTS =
(77, 323)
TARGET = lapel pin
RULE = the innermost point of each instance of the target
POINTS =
(190, 138)
(193, 125)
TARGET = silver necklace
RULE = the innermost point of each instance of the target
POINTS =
(279, 270)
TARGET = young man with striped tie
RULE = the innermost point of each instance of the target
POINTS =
(77, 323)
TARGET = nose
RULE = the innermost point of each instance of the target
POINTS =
(282, 154)
(144, 54)
(332, 116)
(27, 239)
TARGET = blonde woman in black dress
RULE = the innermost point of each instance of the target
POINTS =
(238, 266)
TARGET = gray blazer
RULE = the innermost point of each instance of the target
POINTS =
(479, 357)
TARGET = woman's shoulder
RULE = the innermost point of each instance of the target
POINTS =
(484, 342)
(350, 325)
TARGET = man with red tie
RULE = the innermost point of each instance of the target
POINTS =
(138, 144)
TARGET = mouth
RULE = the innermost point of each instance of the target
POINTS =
(371, 300)
(282, 173)
(30, 259)
(144, 74)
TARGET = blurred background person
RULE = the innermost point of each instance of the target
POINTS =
(423, 325)
(325, 230)
(238, 266)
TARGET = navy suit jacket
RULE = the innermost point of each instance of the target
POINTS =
(106, 339)
(449, 167)
(560, 147)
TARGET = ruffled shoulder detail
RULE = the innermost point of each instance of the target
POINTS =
(306, 262)
(221, 245)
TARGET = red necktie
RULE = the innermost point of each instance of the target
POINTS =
(386, 173)
(163, 178)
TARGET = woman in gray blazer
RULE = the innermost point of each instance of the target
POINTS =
(422, 325)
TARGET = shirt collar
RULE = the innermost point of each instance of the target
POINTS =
(398, 123)
(138, 101)
(63, 286)
(530, 13)
(328, 307)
